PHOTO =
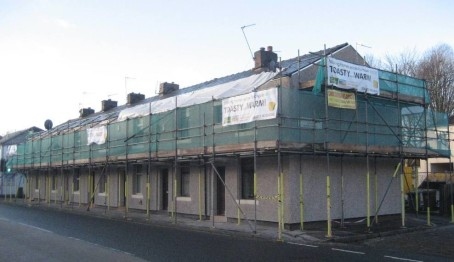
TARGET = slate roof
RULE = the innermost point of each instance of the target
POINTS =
(18, 136)
(289, 67)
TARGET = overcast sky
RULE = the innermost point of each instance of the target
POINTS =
(57, 56)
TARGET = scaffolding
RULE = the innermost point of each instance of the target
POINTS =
(396, 124)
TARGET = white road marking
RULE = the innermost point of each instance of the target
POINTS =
(348, 251)
(38, 228)
(299, 244)
(403, 259)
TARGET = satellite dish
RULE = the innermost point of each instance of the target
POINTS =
(48, 124)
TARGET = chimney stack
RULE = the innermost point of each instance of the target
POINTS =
(106, 105)
(134, 98)
(84, 112)
(265, 61)
(167, 88)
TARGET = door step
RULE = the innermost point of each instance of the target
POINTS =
(220, 219)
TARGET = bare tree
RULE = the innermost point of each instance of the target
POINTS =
(437, 68)
(405, 63)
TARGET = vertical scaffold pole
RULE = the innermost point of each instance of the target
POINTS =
(283, 201)
(175, 172)
(328, 188)
(402, 198)
(301, 197)
(451, 194)
(416, 192)
(328, 206)
(367, 166)
(108, 191)
(376, 190)
(149, 162)
(342, 192)
(255, 173)
(200, 196)
(279, 221)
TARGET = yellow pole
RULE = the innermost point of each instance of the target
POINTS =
(238, 213)
(279, 230)
(301, 203)
(89, 190)
(200, 197)
(428, 216)
(376, 198)
(48, 191)
(148, 198)
(39, 189)
(107, 192)
(72, 191)
(368, 197)
(126, 195)
(328, 206)
(255, 185)
(417, 194)
(452, 213)
(282, 201)
(174, 198)
(402, 198)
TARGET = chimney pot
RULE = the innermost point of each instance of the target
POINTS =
(269, 49)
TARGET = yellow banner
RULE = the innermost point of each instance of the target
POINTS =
(341, 99)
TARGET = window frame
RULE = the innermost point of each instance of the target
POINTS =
(184, 179)
(247, 178)
(137, 178)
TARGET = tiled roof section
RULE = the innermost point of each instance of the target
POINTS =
(289, 67)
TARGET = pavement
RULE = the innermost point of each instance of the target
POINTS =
(313, 232)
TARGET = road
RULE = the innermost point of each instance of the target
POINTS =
(35, 234)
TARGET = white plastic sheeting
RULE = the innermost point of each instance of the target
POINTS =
(230, 89)
(96, 135)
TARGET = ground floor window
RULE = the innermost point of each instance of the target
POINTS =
(247, 178)
(54, 182)
(137, 179)
(184, 181)
(76, 180)
(37, 181)
(102, 184)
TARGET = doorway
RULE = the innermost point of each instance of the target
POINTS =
(121, 188)
(220, 192)
(165, 189)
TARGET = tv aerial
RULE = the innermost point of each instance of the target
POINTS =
(247, 42)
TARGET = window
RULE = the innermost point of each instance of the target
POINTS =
(183, 121)
(217, 114)
(54, 182)
(37, 181)
(137, 179)
(247, 178)
(184, 181)
(102, 184)
(76, 179)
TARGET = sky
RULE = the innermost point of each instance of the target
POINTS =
(58, 56)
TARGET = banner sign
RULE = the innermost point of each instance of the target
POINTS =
(96, 135)
(11, 150)
(341, 99)
(350, 76)
(247, 108)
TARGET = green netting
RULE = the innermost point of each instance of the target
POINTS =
(405, 85)
(303, 120)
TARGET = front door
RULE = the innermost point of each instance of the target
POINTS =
(220, 191)
(121, 188)
(165, 188)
